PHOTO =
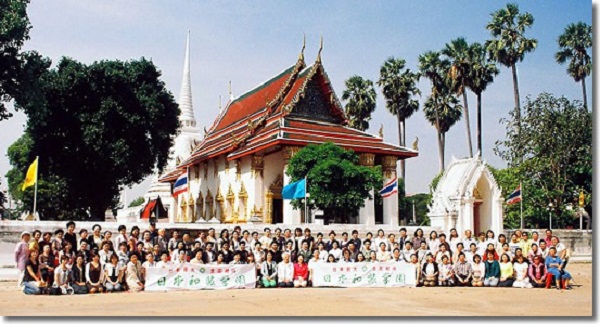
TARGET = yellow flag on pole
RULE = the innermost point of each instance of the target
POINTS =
(581, 199)
(31, 177)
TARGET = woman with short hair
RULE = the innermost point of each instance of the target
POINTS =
(113, 273)
(430, 271)
(300, 272)
(445, 277)
(336, 251)
(492, 270)
(507, 272)
(478, 271)
(418, 238)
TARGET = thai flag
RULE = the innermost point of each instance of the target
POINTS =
(180, 185)
(515, 196)
(389, 188)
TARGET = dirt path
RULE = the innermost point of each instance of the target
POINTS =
(316, 302)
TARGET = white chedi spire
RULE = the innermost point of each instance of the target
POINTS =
(185, 95)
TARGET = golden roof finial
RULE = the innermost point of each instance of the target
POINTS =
(230, 92)
(220, 107)
(320, 49)
(301, 56)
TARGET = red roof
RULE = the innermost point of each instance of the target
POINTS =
(264, 117)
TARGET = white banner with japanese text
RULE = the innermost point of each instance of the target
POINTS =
(363, 274)
(199, 276)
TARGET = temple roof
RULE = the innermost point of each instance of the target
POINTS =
(296, 107)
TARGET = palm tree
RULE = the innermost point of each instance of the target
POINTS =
(573, 44)
(443, 111)
(398, 87)
(361, 97)
(482, 74)
(509, 45)
(433, 67)
(458, 52)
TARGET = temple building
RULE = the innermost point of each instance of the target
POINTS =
(467, 197)
(188, 136)
(237, 171)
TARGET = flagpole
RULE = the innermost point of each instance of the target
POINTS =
(305, 199)
(36, 182)
(521, 185)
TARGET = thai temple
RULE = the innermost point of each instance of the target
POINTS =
(236, 172)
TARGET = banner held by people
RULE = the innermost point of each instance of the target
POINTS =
(198, 276)
(361, 274)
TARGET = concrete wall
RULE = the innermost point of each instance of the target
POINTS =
(579, 241)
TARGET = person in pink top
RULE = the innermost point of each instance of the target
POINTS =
(300, 272)
(22, 254)
(548, 237)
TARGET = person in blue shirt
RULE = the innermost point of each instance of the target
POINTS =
(555, 266)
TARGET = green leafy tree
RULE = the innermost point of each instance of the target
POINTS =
(97, 128)
(336, 182)
(573, 45)
(434, 68)
(398, 86)
(137, 202)
(509, 45)
(360, 96)
(458, 51)
(14, 31)
(481, 75)
(52, 201)
(555, 145)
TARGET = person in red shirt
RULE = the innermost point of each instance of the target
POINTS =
(300, 272)
(548, 237)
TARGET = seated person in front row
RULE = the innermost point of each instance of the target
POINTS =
(555, 266)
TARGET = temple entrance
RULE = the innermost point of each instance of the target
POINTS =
(277, 211)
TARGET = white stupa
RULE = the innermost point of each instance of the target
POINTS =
(187, 137)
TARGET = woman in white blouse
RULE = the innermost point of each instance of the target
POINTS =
(113, 272)
(433, 242)
(478, 271)
(336, 252)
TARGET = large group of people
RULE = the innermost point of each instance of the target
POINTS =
(70, 262)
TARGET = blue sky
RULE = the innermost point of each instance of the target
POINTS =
(249, 41)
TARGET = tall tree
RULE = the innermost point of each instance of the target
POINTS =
(98, 128)
(443, 111)
(336, 181)
(399, 85)
(481, 75)
(552, 155)
(509, 45)
(433, 67)
(460, 72)
(360, 96)
(573, 44)
(14, 31)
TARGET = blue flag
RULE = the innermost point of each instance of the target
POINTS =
(294, 190)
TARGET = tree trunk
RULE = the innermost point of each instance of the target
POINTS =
(402, 142)
(584, 93)
(443, 149)
(517, 98)
(439, 138)
(466, 113)
(479, 141)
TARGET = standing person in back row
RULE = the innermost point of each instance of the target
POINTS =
(22, 255)
(70, 235)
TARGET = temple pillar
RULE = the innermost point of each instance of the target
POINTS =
(366, 214)
(257, 167)
(390, 204)
(290, 215)
(467, 217)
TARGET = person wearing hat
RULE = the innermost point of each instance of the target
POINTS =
(22, 254)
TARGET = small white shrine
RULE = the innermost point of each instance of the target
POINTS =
(467, 197)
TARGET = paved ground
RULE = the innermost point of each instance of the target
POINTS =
(316, 301)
